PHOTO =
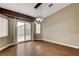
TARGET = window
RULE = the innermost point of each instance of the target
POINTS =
(3, 27)
(38, 28)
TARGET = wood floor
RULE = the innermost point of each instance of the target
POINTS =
(39, 48)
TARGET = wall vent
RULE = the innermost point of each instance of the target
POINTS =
(50, 5)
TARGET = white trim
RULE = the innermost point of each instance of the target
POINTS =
(73, 46)
(5, 47)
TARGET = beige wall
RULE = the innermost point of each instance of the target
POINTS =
(3, 41)
(11, 32)
(63, 26)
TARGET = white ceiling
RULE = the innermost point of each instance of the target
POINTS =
(28, 8)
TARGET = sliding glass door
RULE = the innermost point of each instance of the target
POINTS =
(28, 31)
(20, 31)
(23, 31)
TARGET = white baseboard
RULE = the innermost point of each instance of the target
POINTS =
(5, 47)
(62, 44)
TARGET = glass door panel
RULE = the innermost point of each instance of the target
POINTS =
(20, 31)
(28, 31)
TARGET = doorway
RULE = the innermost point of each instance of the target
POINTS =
(23, 31)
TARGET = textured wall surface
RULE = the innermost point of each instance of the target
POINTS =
(63, 26)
